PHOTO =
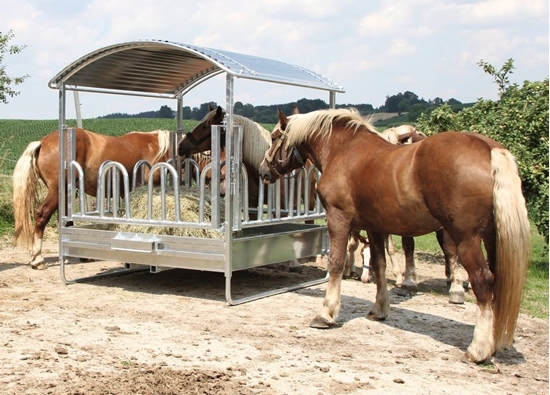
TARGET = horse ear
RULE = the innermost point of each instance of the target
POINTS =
(219, 112)
(283, 120)
(295, 110)
(210, 107)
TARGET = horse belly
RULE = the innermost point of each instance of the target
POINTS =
(402, 220)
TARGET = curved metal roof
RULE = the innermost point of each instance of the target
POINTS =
(168, 68)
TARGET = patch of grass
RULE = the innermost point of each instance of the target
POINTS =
(535, 295)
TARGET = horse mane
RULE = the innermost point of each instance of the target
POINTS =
(302, 127)
(256, 140)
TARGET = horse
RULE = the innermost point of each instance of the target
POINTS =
(40, 160)
(403, 134)
(473, 191)
(255, 141)
(408, 134)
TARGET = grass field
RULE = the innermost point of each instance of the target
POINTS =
(16, 134)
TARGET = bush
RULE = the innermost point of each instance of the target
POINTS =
(519, 121)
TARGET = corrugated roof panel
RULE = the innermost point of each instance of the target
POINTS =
(168, 68)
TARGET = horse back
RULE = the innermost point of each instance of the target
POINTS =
(412, 189)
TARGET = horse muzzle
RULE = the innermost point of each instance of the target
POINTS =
(266, 174)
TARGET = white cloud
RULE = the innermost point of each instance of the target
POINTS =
(492, 10)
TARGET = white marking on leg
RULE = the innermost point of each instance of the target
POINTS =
(483, 343)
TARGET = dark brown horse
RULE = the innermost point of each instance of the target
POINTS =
(40, 160)
(472, 190)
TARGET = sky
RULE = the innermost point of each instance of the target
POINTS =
(373, 48)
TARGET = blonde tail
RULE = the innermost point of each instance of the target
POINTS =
(513, 245)
(25, 195)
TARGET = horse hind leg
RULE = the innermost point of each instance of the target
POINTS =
(349, 266)
(483, 343)
(454, 280)
(409, 281)
(367, 275)
(43, 216)
(381, 307)
(390, 249)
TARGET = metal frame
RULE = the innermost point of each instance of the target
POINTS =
(278, 225)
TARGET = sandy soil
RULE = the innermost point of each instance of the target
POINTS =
(174, 333)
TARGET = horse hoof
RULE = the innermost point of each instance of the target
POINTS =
(456, 297)
(404, 292)
(410, 286)
(39, 266)
(375, 317)
(295, 269)
(320, 323)
(467, 358)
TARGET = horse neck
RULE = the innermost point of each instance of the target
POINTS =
(256, 141)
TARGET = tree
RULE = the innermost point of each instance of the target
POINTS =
(404, 105)
(415, 111)
(165, 112)
(6, 81)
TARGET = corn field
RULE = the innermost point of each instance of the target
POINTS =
(17, 134)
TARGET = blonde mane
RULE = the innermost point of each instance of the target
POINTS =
(163, 142)
(302, 127)
(256, 140)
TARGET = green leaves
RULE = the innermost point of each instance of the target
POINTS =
(519, 121)
(6, 82)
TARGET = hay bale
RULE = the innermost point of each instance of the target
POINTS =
(189, 207)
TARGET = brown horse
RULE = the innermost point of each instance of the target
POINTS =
(40, 160)
(472, 190)
(408, 134)
(255, 141)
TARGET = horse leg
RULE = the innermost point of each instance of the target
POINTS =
(353, 244)
(454, 281)
(368, 274)
(294, 266)
(43, 216)
(390, 248)
(409, 282)
(483, 343)
(381, 307)
(338, 234)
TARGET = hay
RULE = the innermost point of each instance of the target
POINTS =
(189, 207)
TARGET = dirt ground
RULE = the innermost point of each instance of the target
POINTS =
(174, 333)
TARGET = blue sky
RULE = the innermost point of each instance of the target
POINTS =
(373, 48)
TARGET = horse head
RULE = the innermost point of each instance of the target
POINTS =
(200, 138)
(281, 158)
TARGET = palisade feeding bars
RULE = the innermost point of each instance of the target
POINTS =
(165, 69)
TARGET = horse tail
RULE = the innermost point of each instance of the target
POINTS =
(513, 245)
(25, 195)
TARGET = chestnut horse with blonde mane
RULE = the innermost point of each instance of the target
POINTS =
(463, 182)
(40, 160)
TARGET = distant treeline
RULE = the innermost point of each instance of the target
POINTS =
(402, 103)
